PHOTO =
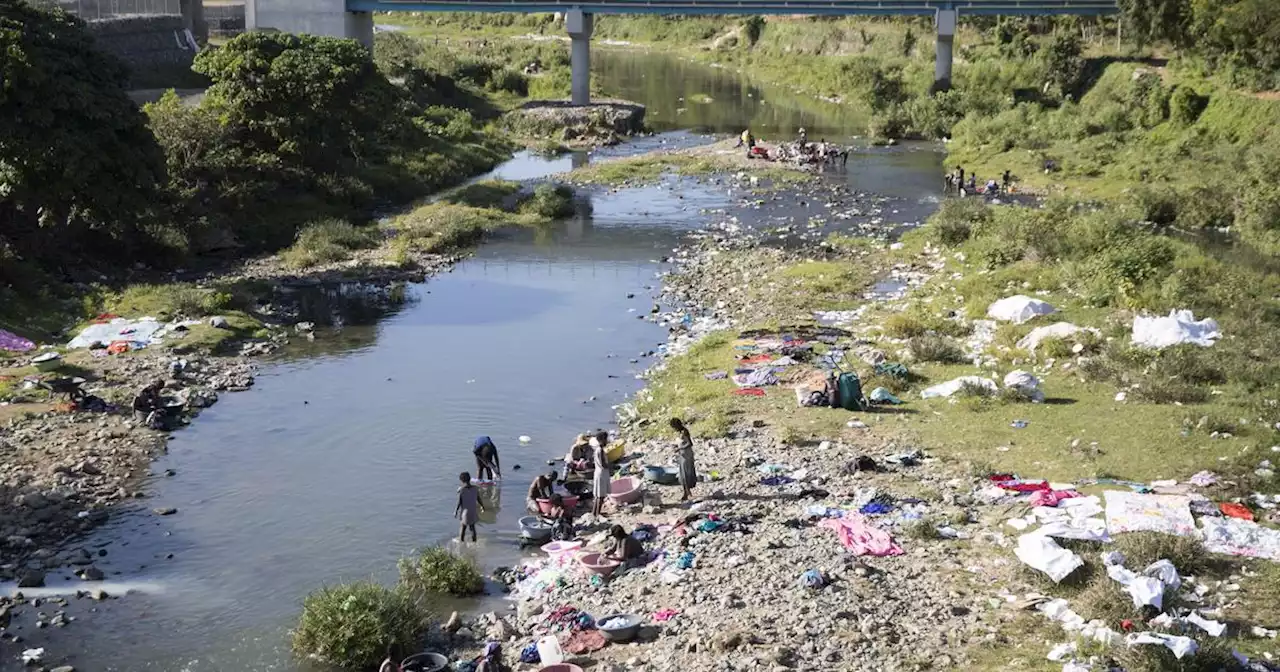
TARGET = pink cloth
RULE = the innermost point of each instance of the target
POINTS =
(861, 538)
(14, 342)
(1051, 497)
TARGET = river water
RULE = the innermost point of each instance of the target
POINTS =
(345, 455)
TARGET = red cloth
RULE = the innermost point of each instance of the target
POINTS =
(1236, 510)
(757, 359)
(749, 392)
(1022, 486)
(1051, 497)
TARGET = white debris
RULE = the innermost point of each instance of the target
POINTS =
(1061, 651)
(1056, 330)
(1042, 553)
(1214, 628)
(1179, 327)
(1180, 646)
(525, 439)
(1018, 309)
(952, 386)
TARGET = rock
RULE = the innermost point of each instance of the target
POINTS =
(63, 668)
(218, 322)
(501, 630)
(465, 633)
(165, 511)
(31, 578)
(98, 594)
(527, 609)
(79, 557)
(453, 624)
(92, 573)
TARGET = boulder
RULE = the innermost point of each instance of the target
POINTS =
(31, 578)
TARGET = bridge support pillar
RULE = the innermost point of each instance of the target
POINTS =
(328, 18)
(946, 22)
(579, 25)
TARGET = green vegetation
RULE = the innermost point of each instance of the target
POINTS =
(328, 241)
(440, 570)
(351, 626)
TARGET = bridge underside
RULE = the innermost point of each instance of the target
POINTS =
(354, 18)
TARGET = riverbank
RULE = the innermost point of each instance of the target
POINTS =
(731, 578)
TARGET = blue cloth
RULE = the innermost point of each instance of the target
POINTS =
(483, 441)
(874, 508)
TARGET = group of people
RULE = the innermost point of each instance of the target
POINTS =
(588, 454)
(954, 183)
(804, 151)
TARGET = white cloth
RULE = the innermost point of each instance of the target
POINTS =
(1056, 330)
(1018, 309)
(1240, 537)
(1135, 512)
(1180, 326)
(952, 386)
(1042, 553)
(1180, 646)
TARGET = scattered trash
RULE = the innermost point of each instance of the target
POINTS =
(525, 439)
(1060, 652)
(813, 579)
(1018, 309)
(1179, 327)
(1025, 384)
(32, 656)
(1147, 588)
(663, 615)
(1019, 424)
(1214, 628)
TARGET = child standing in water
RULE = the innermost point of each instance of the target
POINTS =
(469, 506)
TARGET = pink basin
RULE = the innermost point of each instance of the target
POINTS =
(625, 490)
(596, 563)
(569, 501)
(558, 549)
(560, 667)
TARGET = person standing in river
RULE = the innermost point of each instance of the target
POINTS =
(686, 471)
(487, 459)
(469, 507)
(600, 479)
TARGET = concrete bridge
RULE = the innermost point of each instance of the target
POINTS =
(354, 18)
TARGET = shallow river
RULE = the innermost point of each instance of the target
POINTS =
(345, 454)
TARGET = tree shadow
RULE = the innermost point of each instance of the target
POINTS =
(1059, 401)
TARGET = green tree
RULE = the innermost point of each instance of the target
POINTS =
(1154, 20)
(316, 102)
(1064, 63)
(79, 171)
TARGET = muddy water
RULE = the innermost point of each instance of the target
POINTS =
(345, 455)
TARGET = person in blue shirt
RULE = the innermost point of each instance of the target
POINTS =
(487, 466)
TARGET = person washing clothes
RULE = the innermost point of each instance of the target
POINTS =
(578, 458)
(561, 520)
(623, 546)
(486, 459)
(540, 489)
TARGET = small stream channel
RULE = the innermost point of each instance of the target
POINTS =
(345, 455)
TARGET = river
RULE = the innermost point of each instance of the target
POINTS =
(345, 454)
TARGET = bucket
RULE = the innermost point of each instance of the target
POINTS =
(425, 662)
(558, 550)
(549, 651)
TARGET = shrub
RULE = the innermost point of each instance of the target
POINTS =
(328, 241)
(956, 219)
(1185, 106)
(1202, 207)
(752, 28)
(440, 570)
(1158, 205)
(507, 80)
(352, 625)
(932, 348)
(550, 201)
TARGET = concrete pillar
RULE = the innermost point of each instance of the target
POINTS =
(946, 22)
(328, 18)
(193, 19)
(579, 25)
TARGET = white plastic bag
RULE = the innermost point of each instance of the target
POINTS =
(1042, 553)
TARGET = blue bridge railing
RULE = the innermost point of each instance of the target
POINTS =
(826, 7)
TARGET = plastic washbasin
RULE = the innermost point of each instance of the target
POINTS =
(559, 549)
(560, 667)
(424, 662)
(662, 475)
(532, 527)
(624, 633)
(625, 490)
(569, 502)
(596, 563)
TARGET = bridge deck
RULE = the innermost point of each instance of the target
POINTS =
(828, 7)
